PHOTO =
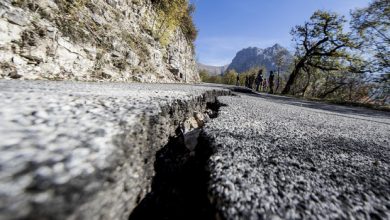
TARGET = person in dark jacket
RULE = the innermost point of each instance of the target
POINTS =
(246, 81)
(259, 80)
(238, 80)
(271, 82)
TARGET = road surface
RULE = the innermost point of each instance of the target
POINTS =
(283, 158)
(72, 150)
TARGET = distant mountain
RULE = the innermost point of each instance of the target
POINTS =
(256, 57)
(212, 70)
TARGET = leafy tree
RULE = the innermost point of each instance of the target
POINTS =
(281, 61)
(204, 75)
(187, 25)
(242, 78)
(373, 26)
(250, 72)
(215, 79)
(230, 77)
(322, 44)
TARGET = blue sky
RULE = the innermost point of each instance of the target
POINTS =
(227, 26)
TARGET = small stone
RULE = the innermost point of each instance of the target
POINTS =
(51, 29)
(186, 126)
(193, 122)
(191, 139)
(14, 75)
(274, 217)
(45, 172)
(199, 118)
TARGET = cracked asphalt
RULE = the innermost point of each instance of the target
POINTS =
(78, 150)
(283, 158)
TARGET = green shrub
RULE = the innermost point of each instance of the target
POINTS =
(173, 14)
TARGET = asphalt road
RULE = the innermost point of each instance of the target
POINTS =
(77, 150)
(73, 150)
(282, 158)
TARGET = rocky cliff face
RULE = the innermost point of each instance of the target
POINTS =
(90, 40)
(256, 57)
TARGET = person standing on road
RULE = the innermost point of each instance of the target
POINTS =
(271, 82)
(259, 80)
(238, 80)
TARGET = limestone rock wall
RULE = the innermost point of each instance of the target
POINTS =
(90, 40)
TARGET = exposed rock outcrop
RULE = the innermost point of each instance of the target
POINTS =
(90, 40)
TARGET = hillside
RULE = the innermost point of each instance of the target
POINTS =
(212, 70)
(251, 57)
(96, 41)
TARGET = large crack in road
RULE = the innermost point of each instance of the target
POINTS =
(180, 186)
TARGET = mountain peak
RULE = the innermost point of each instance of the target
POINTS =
(251, 57)
(277, 46)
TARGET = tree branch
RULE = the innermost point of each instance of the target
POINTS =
(329, 53)
(322, 67)
(332, 90)
(306, 36)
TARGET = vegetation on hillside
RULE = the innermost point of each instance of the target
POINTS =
(229, 78)
(206, 77)
(174, 14)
